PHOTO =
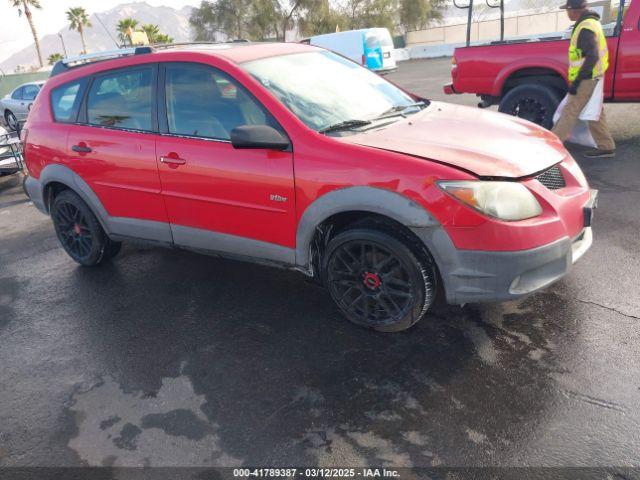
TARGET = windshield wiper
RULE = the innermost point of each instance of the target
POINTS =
(345, 125)
(400, 109)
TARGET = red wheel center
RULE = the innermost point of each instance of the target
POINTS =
(77, 229)
(371, 281)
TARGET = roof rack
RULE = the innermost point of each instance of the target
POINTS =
(159, 46)
(71, 62)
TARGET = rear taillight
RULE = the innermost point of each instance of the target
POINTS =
(24, 133)
(364, 59)
(454, 67)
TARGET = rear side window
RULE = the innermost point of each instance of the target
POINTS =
(65, 100)
(17, 94)
(121, 99)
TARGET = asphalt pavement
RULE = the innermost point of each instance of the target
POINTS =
(168, 358)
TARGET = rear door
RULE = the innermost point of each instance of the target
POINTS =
(218, 197)
(386, 45)
(113, 150)
(29, 93)
(372, 49)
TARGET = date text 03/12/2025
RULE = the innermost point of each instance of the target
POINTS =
(316, 472)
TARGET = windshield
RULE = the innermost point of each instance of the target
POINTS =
(324, 89)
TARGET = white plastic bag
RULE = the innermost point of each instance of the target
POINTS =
(581, 135)
(593, 108)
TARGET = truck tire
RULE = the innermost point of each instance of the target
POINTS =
(536, 103)
(377, 281)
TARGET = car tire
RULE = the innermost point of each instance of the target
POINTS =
(536, 103)
(377, 281)
(79, 231)
(11, 120)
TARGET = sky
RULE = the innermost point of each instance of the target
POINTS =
(15, 33)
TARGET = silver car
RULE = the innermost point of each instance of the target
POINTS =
(15, 106)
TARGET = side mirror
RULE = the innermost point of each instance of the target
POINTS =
(258, 136)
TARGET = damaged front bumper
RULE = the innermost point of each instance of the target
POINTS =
(472, 276)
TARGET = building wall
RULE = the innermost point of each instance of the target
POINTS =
(489, 30)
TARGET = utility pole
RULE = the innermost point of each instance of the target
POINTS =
(64, 49)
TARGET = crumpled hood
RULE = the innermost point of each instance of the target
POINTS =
(482, 142)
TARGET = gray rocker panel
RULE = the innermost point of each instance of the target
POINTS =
(199, 239)
(122, 228)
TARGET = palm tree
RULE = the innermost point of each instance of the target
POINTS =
(154, 35)
(152, 32)
(163, 38)
(23, 6)
(123, 28)
(54, 57)
(78, 20)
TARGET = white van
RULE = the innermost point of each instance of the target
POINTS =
(370, 47)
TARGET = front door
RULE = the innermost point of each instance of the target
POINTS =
(627, 73)
(217, 197)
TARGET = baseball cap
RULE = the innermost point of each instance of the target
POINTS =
(574, 5)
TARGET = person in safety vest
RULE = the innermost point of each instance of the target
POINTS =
(588, 62)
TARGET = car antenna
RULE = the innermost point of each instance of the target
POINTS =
(106, 30)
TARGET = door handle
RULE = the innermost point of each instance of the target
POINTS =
(81, 148)
(173, 160)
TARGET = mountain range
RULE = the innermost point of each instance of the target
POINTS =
(171, 21)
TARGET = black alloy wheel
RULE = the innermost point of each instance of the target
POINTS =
(377, 281)
(76, 236)
(530, 109)
(79, 231)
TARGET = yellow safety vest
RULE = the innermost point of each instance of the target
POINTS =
(576, 59)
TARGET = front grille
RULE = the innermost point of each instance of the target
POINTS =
(552, 178)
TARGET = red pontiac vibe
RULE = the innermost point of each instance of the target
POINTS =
(291, 155)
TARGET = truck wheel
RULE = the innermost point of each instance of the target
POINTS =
(536, 103)
(377, 281)
(79, 231)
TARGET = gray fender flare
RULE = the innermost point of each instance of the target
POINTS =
(115, 227)
(367, 199)
(66, 176)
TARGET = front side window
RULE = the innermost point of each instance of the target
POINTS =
(65, 100)
(204, 102)
(30, 92)
(307, 84)
(17, 94)
(121, 99)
